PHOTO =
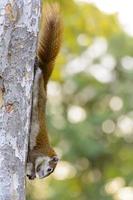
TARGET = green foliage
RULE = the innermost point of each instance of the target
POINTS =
(90, 118)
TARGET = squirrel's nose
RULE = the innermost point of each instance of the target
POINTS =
(32, 176)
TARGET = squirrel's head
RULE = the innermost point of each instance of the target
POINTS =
(45, 165)
(41, 163)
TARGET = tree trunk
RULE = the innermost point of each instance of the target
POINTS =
(18, 35)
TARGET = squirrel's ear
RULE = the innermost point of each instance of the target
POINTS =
(55, 159)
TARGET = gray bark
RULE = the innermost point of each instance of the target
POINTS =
(18, 35)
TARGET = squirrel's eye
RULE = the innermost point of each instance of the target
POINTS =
(49, 169)
(38, 168)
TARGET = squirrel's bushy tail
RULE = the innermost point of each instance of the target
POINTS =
(49, 39)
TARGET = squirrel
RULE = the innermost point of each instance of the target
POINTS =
(42, 158)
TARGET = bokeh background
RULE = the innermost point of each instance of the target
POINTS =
(90, 105)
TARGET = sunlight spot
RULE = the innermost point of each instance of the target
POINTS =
(125, 124)
(76, 65)
(116, 103)
(127, 62)
(108, 61)
(114, 185)
(81, 63)
(125, 193)
(76, 114)
(103, 75)
(98, 48)
(64, 170)
(108, 126)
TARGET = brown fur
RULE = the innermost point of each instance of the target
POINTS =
(48, 48)
(49, 39)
